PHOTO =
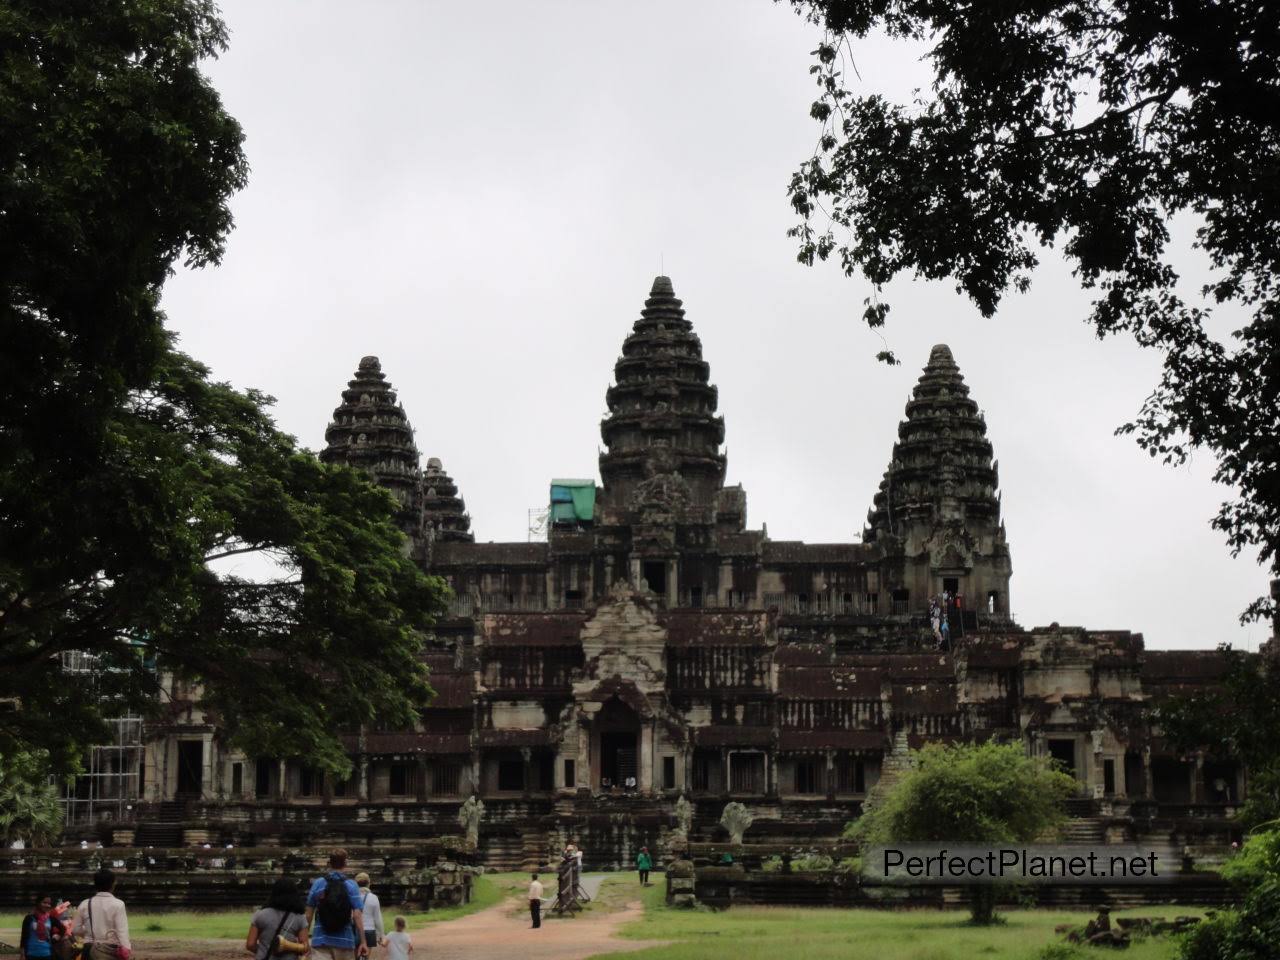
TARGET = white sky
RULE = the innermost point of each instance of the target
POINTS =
(481, 194)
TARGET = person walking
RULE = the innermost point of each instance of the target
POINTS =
(40, 929)
(372, 909)
(103, 922)
(334, 914)
(399, 944)
(535, 901)
(644, 863)
(281, 924)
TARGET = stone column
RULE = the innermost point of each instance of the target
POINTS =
(644, 762)
(1148, 781)
(673, 583)
(635, 572)
(362, 781)
(724, 588)
(1197, 779)
(831, 774)
(282, 781)
(420, 779)
(526, 757)
(724, 760)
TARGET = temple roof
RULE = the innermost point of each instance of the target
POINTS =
(942, 464)
(444, 513)
(662, 420)
(371, 432)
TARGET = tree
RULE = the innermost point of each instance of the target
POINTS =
(126, 475)
(29, 807)
(1251, 929)
(988, 793)
(123, 566)
(1239, 718)
(1089, 124)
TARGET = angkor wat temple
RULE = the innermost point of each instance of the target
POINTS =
(654, 645)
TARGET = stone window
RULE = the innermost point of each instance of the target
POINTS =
(668, 773)
(808, 776)
(446, 779)
(746, 772)
(702, 771)
(993, 601)
(237, 779)
(401, 780)
(851, 776)
(901, 601)
(570, 774)
(510, 775)
(310, 782)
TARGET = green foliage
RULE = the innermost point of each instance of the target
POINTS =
(1239, 717)
(1087, 125)
(1252, 930)
(981, 793)
(126, 474)
(29, 807)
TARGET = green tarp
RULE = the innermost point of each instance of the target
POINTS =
(573, 500)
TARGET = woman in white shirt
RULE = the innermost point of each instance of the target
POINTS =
(372, 912)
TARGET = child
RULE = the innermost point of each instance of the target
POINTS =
(398, 944)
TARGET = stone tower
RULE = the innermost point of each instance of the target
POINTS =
(444, 512)
(937, 506)
(370, 432)
(662, 435)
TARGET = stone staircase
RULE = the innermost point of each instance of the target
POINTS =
(1085, 830)
(163, 828)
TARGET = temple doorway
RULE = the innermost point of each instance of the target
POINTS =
(618, 729)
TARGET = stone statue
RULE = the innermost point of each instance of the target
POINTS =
(684, 815)
(469, 818)
(736, 819)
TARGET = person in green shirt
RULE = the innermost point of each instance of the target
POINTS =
(644, 863)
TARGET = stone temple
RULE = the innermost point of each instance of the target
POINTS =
(656, 646)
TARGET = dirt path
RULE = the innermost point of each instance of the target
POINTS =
(500, 932)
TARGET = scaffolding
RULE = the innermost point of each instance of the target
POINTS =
(111, 784)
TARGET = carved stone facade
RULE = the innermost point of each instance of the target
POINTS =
(664, 649)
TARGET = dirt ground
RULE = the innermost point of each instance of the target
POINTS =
(501, 931)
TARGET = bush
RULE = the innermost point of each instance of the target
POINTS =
(1251, 932)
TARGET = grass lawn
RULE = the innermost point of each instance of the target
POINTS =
(234, 924)
(767, 933)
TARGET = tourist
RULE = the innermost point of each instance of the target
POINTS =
(41, 928)
(281, 926)
(399, 944)
(102, 922)
(372, 910)
(535, 901)
(644, 863)
(334, 905)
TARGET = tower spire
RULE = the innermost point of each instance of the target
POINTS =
(661, 420)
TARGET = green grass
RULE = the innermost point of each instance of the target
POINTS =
(234, 924)
(766, 933)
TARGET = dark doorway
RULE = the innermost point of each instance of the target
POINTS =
(617, 757)
(1135, 776)
(262, 779)
(619, 728)
(1109, 777)
(655, 576)
(1064, 751)
(190, 767)
(951, 585)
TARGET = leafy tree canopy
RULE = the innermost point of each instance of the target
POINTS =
(978, 793)
(126, 474)
(1239, 718)
(1086, 124)
(29, 807)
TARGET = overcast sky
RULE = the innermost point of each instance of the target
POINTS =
(481, 195)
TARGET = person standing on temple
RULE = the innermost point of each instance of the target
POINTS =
(644, 863)
(535, 901)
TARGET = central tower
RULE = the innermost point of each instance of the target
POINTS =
(662, 435)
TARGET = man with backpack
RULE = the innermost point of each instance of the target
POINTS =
(335, 906)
